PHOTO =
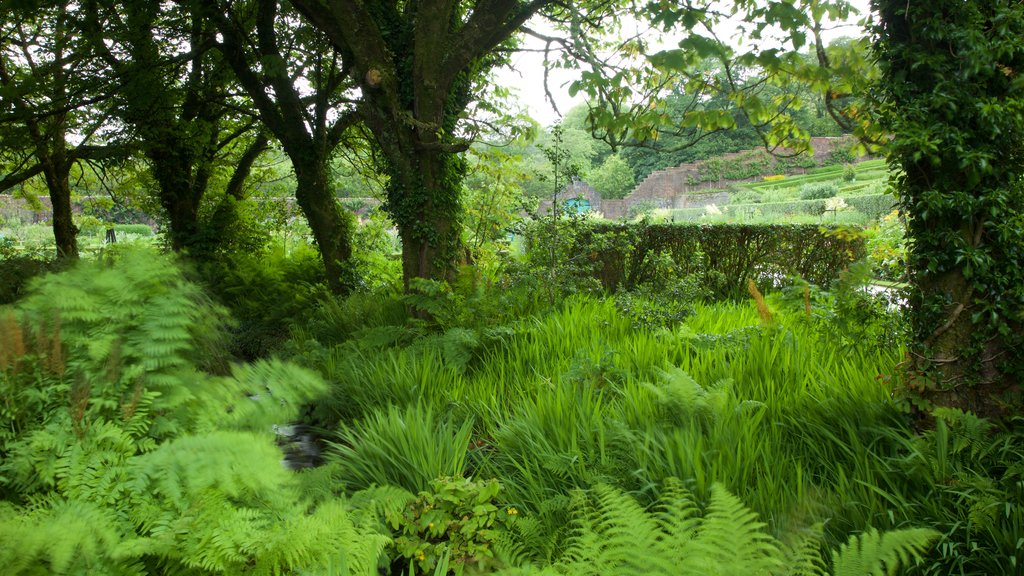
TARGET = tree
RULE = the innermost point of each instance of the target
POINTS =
(172, 95)
(950, 94)
(420, 68)
(613, 178)
(298, 83)
(43, 97)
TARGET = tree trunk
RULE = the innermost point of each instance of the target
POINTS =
(332, 228)
(65, 233)
(179, 201)
(949, 95)
(424, 199)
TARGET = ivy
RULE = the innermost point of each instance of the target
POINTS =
(950, 94)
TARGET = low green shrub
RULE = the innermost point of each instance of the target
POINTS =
(625, 257)
(746, 196)
(874, 205)
(457, 521)
(819, 191)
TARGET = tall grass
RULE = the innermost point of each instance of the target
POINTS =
(791, 416)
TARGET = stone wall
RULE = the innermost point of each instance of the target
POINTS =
(680, 186)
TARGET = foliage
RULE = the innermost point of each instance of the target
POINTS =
(887, 247)
(406, 448)
(457, 519)
(613, 534)
(374, 251)
(118, 438)
(958, 180)
(818, 191)
(628, 255)
(265, 291)
(613, 178)
(16, 270)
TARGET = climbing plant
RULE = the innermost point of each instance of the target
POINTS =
(950, 95)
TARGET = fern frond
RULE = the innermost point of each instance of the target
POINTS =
(256, 397)
(880, 554)
(65, 537)
(732, 538)
(804, 557)
(612, 534)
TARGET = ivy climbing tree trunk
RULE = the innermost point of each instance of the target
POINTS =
(419, 65)
(952, 96)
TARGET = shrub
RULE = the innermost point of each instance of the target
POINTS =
(874, 205)
(625, 256)
(744, 196)
(457, 521)
(818, 191)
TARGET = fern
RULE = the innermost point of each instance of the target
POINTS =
(732, 539)
(126, 456)
(613, 534)
(804, 558)
(879, 554)
(63, 537)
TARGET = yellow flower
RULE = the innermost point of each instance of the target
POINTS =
(420, 555)
(512, 511)
(430, 526)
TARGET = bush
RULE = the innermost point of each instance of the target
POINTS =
(819, 191)
(627, 256)
(874, 206)
(745, 196)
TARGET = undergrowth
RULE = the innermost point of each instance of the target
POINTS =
(470, 436)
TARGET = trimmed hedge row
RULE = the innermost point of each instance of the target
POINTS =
(722, 256)
(872, 205)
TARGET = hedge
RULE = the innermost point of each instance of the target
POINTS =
(625, 255)
(137, 229)
(874, 205)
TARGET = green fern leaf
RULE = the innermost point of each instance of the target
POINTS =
(880, 554)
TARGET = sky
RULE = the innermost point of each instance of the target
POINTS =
(526, 77)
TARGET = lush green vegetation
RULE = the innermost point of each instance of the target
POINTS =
(461, 381)
(481, 429)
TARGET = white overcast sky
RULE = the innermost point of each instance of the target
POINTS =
(526, 78)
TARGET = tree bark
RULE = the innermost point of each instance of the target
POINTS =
(949, 95)
(57, 171)
(332, 228)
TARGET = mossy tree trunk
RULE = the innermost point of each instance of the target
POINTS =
(418, 67)
(952, 96)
